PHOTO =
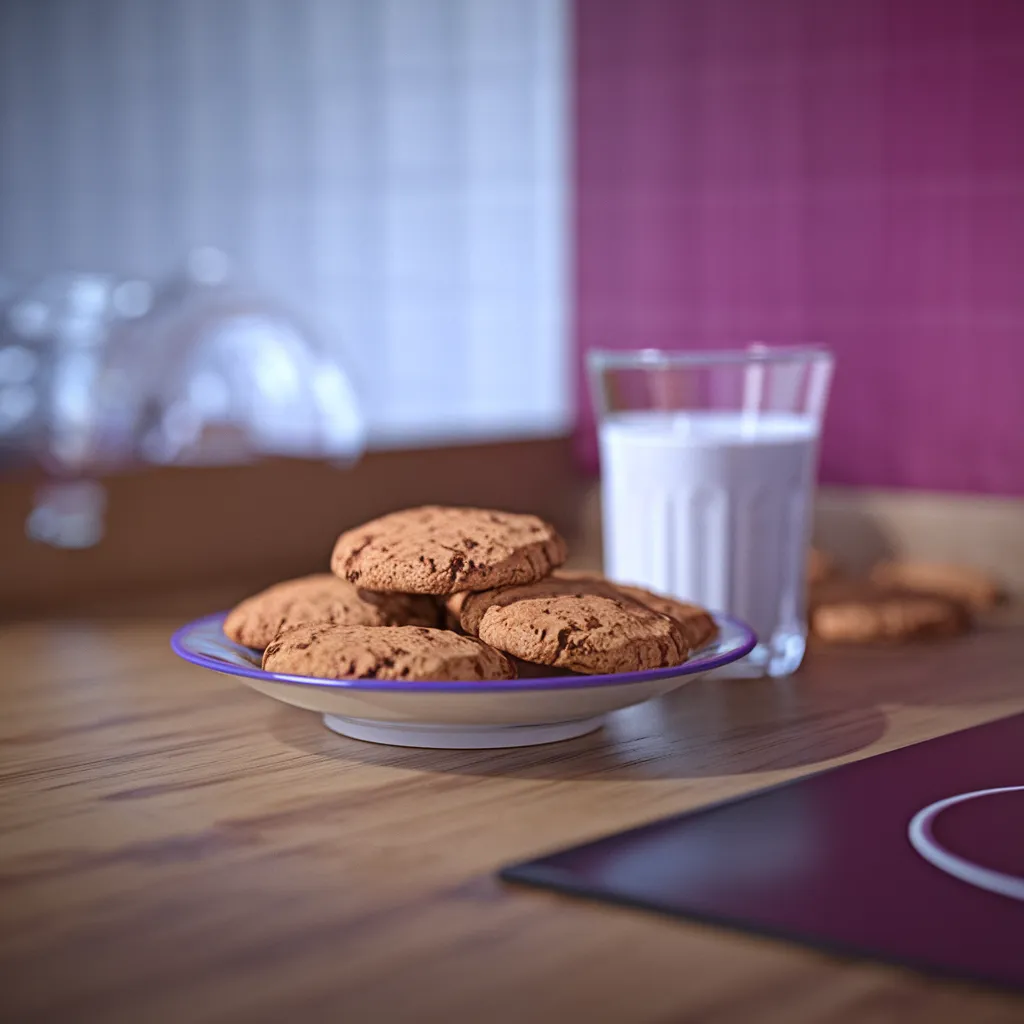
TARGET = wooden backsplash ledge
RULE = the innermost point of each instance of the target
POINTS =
(244, 526)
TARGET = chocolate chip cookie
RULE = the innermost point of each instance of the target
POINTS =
(323, 598)
(413, 653)
(696, 624)
(438, 550)
(820, 566)
(861, 612)
(588, 634)
(970, 586)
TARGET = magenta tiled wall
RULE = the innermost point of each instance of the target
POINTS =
(848, 172)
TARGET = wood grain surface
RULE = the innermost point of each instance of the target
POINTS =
(176, 848)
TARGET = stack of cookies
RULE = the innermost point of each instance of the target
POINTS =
(440, 593)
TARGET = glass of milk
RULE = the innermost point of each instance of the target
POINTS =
(708, 465)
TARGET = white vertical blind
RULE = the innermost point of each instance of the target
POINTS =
(395, 169)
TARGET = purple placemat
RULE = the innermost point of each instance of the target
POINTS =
(828, 860)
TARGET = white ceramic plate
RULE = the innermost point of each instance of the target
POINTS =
(500, 713)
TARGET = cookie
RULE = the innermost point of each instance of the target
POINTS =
(863, 613)
(589, 634)
(820, 566)
(413, 653)
(469, 607)
(961, 583)
(696, 624)
(436, 550)
(322, 598)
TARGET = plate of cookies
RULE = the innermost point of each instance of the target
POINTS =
(458, 628)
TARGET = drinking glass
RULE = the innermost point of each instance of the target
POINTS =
(708, 466)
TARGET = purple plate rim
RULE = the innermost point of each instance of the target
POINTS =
(748, 640)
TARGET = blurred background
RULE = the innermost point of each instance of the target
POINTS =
(271, 267)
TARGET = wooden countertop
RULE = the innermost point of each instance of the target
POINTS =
(178, 848)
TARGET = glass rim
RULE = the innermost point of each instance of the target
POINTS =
(657, 358)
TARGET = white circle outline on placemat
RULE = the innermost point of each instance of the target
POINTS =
(924, 842)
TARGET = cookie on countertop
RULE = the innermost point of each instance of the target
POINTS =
(438, 550)
(412, 653)
(697, 625)
(962, 583)
(865, 613)
(589, 634)
(820, 566)
(322, 598)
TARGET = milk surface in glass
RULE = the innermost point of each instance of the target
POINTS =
(715, 507)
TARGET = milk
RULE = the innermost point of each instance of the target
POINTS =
(715, 507)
